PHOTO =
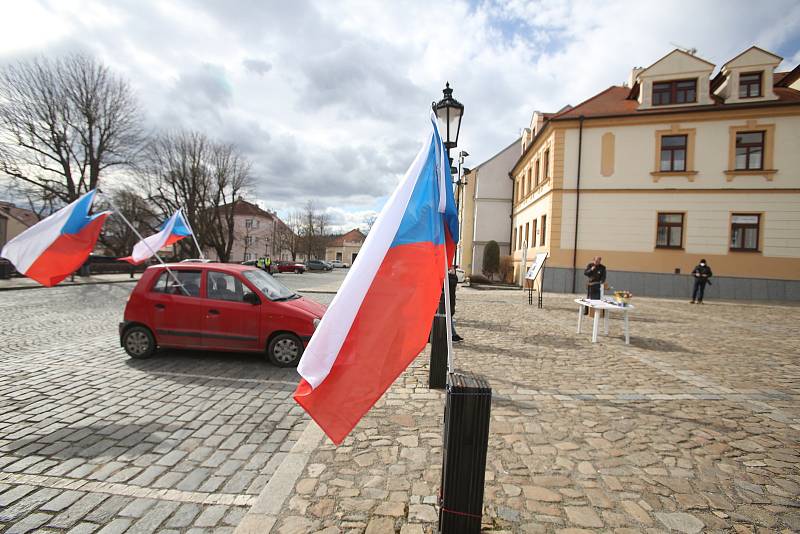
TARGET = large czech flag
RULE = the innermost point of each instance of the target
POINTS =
(57, 246)
(381, 317)
(172, 230)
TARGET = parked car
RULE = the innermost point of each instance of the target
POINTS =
(318, 265)
(291, 267)
(217, 306)
(196, 260)
(254, 263)
(336, 264)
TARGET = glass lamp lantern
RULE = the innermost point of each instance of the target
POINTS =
(448, 113)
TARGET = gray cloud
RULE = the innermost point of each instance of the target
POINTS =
(257, 66)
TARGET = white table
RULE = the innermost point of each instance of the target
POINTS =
(606, 306)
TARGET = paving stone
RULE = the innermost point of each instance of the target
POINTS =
(77, 510)
(117, 526)
(583, 516)
(28, 524)
(680, 522)
(210, 516)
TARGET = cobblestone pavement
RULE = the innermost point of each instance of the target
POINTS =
(91, 440)
(692, 427)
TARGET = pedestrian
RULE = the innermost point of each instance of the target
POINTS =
(596, 273)
(268, 264)
(702, 274)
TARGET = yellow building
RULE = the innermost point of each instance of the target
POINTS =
(676, 165)
(345, 247)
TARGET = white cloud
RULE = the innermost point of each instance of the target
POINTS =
(329, 99)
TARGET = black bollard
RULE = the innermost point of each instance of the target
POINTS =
(466, 440)
(437, 372)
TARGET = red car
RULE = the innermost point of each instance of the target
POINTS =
(217, 306)
(291, 267)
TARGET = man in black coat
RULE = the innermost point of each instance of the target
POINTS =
(596, 273)
(702, 273)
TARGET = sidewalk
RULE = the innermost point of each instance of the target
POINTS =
(684, 429)
(23, 282)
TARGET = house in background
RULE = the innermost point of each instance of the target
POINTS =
(345, 247)
(677, 165)
(257, 233)
(484, 208)
(14, 221)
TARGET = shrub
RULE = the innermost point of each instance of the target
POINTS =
(491, 259)
(507, 269)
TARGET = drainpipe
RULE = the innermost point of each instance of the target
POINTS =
(511, 231)
(577, 203)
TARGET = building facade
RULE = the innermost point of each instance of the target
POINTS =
(677, 165)
(345, 247)
(257, 233)
(14, 221)
(484, 206)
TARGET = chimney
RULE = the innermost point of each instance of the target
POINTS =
(635, 72)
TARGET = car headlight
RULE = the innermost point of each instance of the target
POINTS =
(316, 322)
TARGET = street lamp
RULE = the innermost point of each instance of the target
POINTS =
(449, 112)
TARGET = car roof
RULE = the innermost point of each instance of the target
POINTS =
(230, 267)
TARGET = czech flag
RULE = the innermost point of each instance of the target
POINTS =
(381, 317)
(172, 230)
(57, 246)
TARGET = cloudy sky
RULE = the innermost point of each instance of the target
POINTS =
(330, 99)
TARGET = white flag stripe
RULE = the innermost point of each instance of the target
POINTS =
(26, 248)
(151, 245)
(324, 347)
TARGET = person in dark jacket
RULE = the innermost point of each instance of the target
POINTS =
(596, 274)
(702, 274)
(453, 280)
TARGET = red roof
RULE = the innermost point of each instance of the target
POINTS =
(614, 101)
(26, 217)
(353, 235)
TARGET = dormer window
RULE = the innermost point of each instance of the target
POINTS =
(750, 85)
(674, 92)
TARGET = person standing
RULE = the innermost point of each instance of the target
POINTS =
(702, 273)
(596, 273)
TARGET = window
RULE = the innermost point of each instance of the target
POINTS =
(221, 286)
(248, 223)
(544, 230)
(546, 164)
(744, 231)
(750, 85)
(248, 256)
(533, 233)
(190, 280)
(514, 240)
(749, 151)
(674, 92)
(673, 153)
(519, 244)
(528, 181)
(248, 240)
(536, 173)
(670, 230)
(338, 256)
(527, 234)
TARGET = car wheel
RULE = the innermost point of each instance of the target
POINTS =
(285, 350)
(298, 271)
(138, 342)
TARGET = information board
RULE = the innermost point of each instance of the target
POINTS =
(538, 262)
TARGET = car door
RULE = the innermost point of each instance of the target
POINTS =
(230, 323)
(177, 312)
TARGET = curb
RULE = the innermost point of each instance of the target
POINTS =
(264, 513)
(69, 284)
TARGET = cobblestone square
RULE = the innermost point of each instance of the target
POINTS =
(692, 427)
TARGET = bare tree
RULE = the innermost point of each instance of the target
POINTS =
(202, 176)
(369, 220)
(64, 122)
(117, 236)
(288, 234)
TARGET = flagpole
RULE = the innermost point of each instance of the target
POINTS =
(142, 240)
(448, 316)
(199, 250)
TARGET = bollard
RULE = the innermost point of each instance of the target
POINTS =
(466, 440)
(437, 372)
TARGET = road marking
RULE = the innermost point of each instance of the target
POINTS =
(137, 492)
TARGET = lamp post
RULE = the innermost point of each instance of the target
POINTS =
(461, 183)
(448, 112)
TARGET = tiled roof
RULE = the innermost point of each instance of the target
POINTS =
(26, 217)
(614, 101)
(353, 235)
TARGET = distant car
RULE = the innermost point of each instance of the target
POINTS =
(291, 267)
(217, 306)
(318, 265)
(336, 264)
(196, 260)
(254, 263)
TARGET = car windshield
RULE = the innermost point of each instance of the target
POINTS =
(268, 286)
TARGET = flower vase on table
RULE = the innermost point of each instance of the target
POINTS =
(622, 298)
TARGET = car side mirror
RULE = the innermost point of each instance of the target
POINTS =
(252, 298)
